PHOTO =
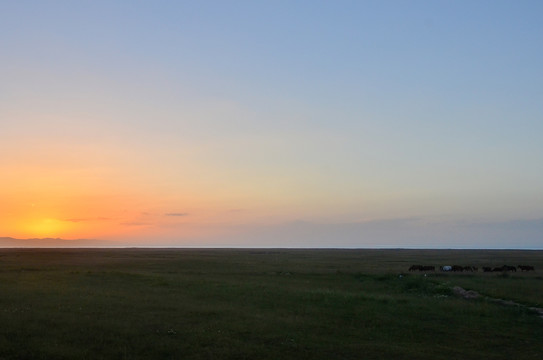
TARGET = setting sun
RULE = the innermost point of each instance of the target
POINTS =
(45, 228)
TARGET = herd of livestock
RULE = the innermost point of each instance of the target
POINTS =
(458, 268)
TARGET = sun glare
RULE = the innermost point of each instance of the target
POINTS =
(46, 228)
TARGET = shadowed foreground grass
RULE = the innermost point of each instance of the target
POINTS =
(263, 304)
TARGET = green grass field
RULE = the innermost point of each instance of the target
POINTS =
(264, 304)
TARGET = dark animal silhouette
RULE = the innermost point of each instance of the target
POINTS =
(428, 268)
(505, 268)
(526, 268)
(422, 268)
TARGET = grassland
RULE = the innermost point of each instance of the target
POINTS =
(264, 304)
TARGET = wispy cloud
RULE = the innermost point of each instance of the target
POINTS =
(176, 214)
(77, 220)
(135, 223)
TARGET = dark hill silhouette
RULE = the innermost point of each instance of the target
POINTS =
(10, 242)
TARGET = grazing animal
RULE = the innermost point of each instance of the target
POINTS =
(415, 267)
(422, 268)
(428, 268)
(457, 268)
(526, 268)
(505, 268)
(446, 268)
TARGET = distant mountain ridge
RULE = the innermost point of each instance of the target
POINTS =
(9, 242)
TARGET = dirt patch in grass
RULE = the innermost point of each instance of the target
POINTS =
(472, 294)
(466, 294)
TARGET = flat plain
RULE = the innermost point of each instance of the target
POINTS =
(266, 304)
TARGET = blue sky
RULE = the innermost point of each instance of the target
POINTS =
(251, 116)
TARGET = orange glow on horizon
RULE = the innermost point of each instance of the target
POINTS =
(45, 228)
(61, 195)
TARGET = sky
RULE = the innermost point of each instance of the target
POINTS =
(273, 123)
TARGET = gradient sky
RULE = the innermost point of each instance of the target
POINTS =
(273, 123)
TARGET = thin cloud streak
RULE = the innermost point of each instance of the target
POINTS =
(135, 223)
(78, 220)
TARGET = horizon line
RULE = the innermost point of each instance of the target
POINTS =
(266, 247)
